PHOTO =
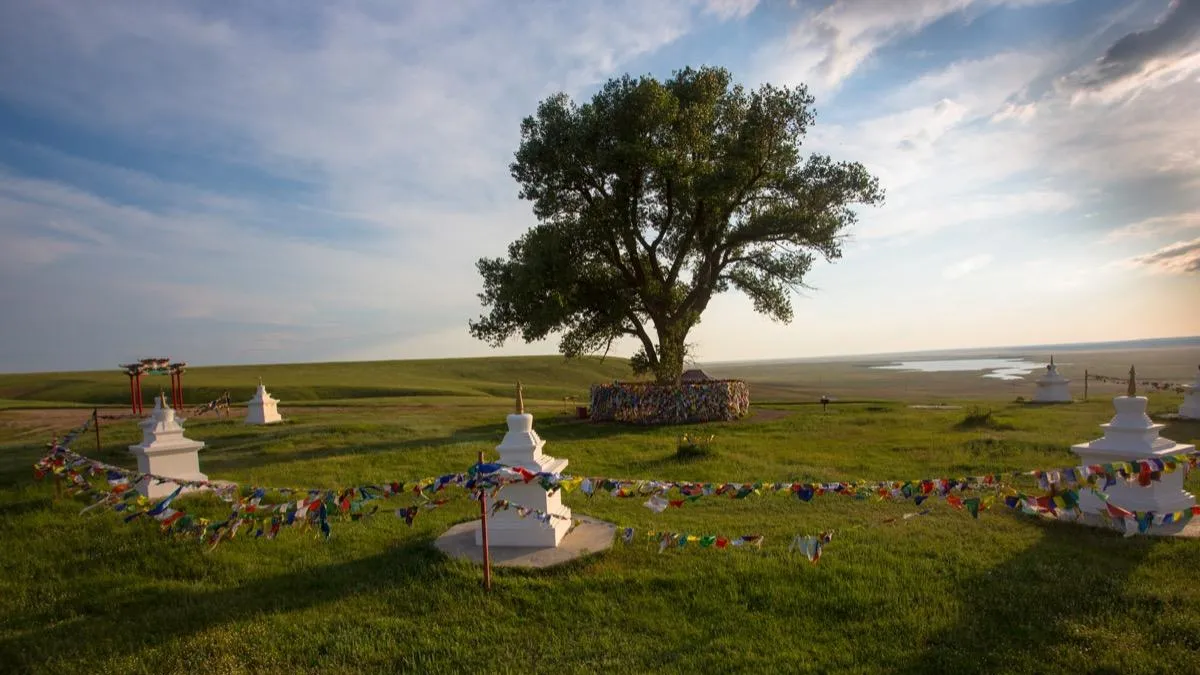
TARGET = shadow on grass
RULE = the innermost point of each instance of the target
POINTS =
(114, 620)
(1024, 614)
(245, 451)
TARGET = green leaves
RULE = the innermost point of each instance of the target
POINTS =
(655, 196)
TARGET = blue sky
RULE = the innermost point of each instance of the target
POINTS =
(229, 182)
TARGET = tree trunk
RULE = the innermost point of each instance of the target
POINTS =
(670, 353)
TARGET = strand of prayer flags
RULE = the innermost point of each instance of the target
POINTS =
(1152, 384)
(221, 402)
(492, 477)
(496, 475)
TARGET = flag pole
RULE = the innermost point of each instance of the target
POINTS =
(487, 557)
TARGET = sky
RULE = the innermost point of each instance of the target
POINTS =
(227, 182)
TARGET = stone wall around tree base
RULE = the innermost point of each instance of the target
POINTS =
(688, 402)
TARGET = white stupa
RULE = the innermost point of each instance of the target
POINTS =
(1191, 401)
(1131, 435)
(1052, 387)
(262, 409)
(522, 447)
(165, 452)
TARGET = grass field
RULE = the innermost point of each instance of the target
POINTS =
(942, 593)
(551, 377)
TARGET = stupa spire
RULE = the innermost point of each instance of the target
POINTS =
(1132, 389)
(520, 399)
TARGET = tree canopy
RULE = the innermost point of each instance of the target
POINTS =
(655, 197)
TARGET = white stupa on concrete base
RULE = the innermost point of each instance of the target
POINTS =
(1131, 435)
(164, 451)
(1191, 401)
(263, 408)
(1052, 387)
(522, 447)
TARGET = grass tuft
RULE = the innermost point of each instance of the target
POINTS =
(980, 418)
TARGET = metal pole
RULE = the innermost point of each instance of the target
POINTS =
(487, 556)
(96, 424)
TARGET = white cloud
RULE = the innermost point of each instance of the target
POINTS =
(826, 47)
(967, 266)
(350, 106)
(1182, 257)
(1159, 225)
(730, 9)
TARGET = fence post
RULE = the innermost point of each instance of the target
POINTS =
(1085, 383)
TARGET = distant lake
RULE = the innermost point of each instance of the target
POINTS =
(1000, 369)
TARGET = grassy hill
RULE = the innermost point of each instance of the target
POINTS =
(544, 377)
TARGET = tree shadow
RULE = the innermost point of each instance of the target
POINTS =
(246, 451)
(116, 619)
(1021, 615)
(1181, 430)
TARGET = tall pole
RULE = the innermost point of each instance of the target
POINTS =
(487, 556)
(132, 396)
(96, 425)
(1085, 379)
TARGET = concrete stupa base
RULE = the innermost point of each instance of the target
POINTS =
(1190, 410)
(1188, 530)
(588, 537)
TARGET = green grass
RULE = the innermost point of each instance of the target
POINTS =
(943, 593)
(550, 377)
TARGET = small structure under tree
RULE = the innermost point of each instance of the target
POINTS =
(683, 403)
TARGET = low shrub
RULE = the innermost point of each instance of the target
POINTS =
(692, 447)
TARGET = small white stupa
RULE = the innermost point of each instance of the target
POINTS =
(1052, 387)
(165, 452)
(1191, 401)
(1131, 435)
(262, 409)
(522, 447)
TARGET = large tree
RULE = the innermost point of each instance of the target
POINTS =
(653, 198)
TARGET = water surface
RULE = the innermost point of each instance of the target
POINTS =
(1000, 369)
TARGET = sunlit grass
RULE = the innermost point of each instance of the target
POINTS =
(940, 593)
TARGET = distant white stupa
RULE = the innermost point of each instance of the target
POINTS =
(1191, 401)
(262, 409)
(1052, 387)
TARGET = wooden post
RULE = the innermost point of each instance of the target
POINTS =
(57, 476)
(96, 425)
(1085, 379)
(487, 556)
